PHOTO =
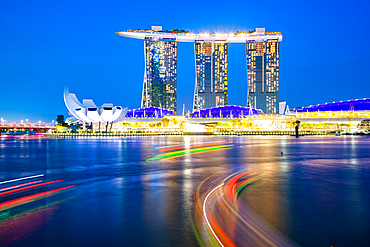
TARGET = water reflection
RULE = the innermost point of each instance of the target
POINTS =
(316, 192)
(25, 203)
(222, 218)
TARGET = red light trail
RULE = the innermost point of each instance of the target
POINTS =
(31, 198)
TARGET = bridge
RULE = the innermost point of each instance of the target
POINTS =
(14, 126)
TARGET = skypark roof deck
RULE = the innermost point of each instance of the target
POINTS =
(185, 36)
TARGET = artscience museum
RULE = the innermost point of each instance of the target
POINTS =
(89, 113)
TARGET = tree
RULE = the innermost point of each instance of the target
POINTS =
(60, 119)
(174, 121)
(233, 122)
(165, 122)
(239, 123)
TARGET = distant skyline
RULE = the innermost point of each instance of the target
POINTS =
(46, 46)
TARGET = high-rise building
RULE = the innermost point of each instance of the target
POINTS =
(160, 78)
(263, 75)
(211, 74)
(159, 89)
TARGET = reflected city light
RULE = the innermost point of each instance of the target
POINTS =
(223, 219)
(18, 179)
(26, 192)
(29, 187)
(20, 185)
(31, 198)
(187, 143)
(209, 183)
(188, 151)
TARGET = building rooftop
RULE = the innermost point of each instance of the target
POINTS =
(148, 112)
(226, 112)
(185, 36)
(348, 105)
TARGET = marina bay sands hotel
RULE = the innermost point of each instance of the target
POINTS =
(160, 78)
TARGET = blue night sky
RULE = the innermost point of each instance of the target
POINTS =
(47, 45)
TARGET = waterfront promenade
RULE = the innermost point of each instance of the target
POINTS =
(179, 133)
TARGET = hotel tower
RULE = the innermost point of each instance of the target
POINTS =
(159, 87)
(160, 79)
(263, 74)
(211, 74)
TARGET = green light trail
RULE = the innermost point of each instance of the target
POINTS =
(250, 181)
(182, 152)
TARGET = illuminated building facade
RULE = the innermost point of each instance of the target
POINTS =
(230, 111)
(150, 112)
(88, 112)
(159, 88)
(358, 108)
(160, 78)
(211, 74)
(263, 75)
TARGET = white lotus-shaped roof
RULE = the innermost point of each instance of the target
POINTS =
(88, 112)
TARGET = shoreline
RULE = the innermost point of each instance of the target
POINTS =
(241, 133)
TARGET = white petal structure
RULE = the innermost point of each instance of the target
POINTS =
(88, 112)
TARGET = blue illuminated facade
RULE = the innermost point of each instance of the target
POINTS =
(349, 105)
(226, 112)
(149, 112)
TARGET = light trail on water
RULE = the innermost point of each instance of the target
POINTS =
(31, 198)
(20, 185)
(205, 214)
(179, 145)
(19, 179)
(28, 187)
(225, 220)
(182, 152)
(193, 146)
(203, 152)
